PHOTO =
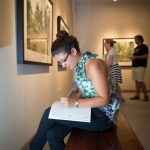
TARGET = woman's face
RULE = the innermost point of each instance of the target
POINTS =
(107, 45)
(67, 60)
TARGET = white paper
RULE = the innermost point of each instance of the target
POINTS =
(61, 112)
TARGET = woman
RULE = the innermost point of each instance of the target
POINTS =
(97, 93)
(112, 63)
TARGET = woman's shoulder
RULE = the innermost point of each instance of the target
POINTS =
(95, 63)
(112, 51)
(95, 66)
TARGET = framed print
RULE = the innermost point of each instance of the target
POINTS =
(34, 31)
(124, 48)
(61, 25)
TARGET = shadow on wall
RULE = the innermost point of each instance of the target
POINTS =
(32, 69)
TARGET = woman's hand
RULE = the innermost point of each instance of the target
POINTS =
(68, 102)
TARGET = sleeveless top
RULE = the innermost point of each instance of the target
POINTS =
(114, 68)
(87, 90)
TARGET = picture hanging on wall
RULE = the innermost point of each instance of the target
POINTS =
(124, 48)
(61, 25)
(34, 31)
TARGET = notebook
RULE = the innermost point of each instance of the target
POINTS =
(61, 112)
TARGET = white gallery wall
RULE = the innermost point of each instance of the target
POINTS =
(97, 19)
(27, 90)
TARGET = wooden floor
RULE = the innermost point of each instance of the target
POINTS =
(121, 137)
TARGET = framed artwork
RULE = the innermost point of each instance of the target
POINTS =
(61, 25)
(124, 48)
(34, 31)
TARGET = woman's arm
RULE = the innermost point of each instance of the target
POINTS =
(96, 71)
(75, 93)
(109, 61)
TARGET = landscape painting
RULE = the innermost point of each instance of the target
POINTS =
(124, 48)
(37, 31)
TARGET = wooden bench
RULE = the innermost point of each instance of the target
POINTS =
(120, 137)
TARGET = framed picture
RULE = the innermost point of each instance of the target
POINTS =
(61, 25)
(124, 48)
(34, 31)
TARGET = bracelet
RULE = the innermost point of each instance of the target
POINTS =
(77, 103)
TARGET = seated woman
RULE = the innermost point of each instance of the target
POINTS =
(97, 90)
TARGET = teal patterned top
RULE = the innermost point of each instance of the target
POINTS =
(87, 90)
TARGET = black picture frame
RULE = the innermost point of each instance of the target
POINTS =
(34, 26)
(61, 25)
(124, 48)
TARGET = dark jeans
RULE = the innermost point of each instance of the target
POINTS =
(54, 131)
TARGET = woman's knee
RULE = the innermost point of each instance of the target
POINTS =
(46, 112)
(54, 134)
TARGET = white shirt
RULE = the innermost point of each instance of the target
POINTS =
(113, 54)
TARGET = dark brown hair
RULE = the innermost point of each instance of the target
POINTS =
(110, 41)
(64, 43)
(139, 37)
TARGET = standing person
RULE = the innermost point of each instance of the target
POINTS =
(97, 90)
(112, 63)
(139, 65)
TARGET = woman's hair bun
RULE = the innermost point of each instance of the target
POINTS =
(62, 34)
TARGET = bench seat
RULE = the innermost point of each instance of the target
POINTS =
(121, 137)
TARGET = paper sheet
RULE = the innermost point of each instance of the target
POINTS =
(61, 112)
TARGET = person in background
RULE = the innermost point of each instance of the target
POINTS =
(96, 88)
(112, 63)
(139, 65)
